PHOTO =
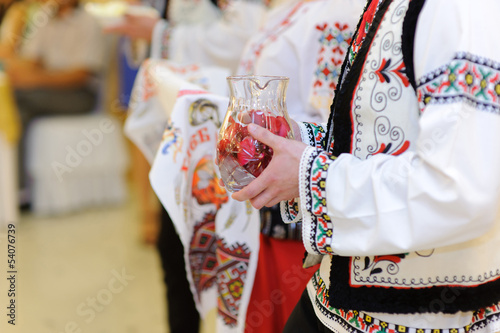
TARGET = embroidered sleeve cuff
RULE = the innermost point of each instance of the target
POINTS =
(317, 227)
(290, 211)
(160, 40)
(313, 134)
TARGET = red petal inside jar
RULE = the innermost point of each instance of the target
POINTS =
(223, 148)
(258, 117)
(247, 150)
(284, 128)
(273, 125)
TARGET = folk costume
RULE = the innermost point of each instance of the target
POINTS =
(399, 191)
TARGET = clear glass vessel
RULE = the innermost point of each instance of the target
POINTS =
(253, 99)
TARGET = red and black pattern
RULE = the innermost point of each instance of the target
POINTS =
(231, 275)
(360, 322)
(315, 135)
(340, 123)
(290, 210)
(202, 260)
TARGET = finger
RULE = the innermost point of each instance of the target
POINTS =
(265, 198)
(250, 191)
(263, 135)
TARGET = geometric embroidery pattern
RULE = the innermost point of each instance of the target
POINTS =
(316, 135)
(334, 43)
(202, 258)
(466, 79)
(231, 274)
(359, 322)
(290, 210)
(320, 234)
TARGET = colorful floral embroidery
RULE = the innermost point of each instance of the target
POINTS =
(466, 79)
(231, 274)
(319, 230)
(290, 211)
(334, 42)
(315, 134)
(365, 25)
(360, 322)
(485, 317)
(387, 70)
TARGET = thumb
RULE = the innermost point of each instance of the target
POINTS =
(263, 135)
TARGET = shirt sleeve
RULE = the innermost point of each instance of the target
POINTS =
(447, 190)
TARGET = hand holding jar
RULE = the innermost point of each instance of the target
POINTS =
(254, 99)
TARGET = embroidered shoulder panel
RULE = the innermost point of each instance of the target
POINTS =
(334, 40)
(466, 79)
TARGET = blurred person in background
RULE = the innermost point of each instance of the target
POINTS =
(15, 26)
(135, 29)
(199, 32)
(57, 68)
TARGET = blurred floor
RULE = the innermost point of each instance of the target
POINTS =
(87, 272)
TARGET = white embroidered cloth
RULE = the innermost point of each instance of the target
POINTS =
(220, 235)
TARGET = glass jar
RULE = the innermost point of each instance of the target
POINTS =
(253, 99)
